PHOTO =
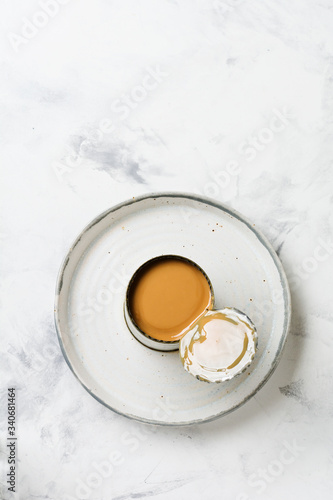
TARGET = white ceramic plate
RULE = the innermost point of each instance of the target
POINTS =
(110, 363)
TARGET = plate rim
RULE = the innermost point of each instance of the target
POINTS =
(208, 201)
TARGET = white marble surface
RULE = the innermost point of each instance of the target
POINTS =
(106, 100)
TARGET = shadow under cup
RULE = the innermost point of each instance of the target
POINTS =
(164, 297)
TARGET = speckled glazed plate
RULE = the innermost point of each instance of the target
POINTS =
(126, 376)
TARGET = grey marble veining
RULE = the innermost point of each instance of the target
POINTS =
(106, 100)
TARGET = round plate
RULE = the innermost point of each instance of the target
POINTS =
(126, 376)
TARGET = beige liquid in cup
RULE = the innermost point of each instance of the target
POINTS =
(167, 296)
